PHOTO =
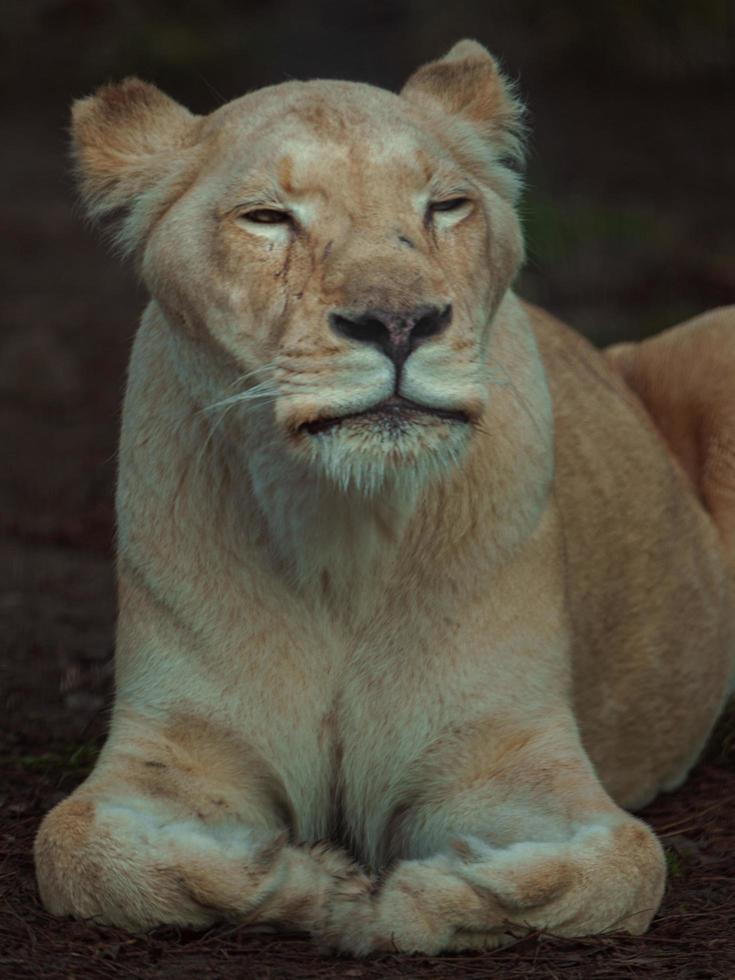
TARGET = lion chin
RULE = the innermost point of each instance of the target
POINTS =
(395, 443)
(419, 593)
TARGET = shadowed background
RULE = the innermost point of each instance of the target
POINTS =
(629, 212)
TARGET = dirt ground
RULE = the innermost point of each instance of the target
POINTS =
(68, 318)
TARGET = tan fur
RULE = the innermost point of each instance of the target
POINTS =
(679, 377)
(455, 649)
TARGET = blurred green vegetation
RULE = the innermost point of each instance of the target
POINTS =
(555, 230)
(63, 761)
(721, 745)
(674, 863)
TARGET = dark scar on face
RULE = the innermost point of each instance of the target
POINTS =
(406, 241)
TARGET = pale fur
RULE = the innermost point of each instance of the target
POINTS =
(453, 649)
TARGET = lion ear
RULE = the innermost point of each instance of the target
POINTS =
(467, 84)
(128, 140)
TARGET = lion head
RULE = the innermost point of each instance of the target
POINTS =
(328, 256)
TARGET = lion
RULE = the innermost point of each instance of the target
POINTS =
(419, 593)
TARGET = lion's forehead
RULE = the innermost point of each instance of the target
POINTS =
(369, 173)
(327, 107)
(360, 150)
(321, 135)
(365, 162)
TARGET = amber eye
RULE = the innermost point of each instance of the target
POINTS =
(267, 216)
(449, 204)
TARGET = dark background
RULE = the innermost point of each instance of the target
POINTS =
(629, 213)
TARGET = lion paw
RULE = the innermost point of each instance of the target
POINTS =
(479, 897)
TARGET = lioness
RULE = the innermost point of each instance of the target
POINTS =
(405, 567)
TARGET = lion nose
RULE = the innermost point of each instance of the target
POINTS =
(395, 333)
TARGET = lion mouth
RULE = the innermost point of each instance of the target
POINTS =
(394, 411)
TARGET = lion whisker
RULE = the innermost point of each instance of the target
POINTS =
(268, 368)
(263, 391)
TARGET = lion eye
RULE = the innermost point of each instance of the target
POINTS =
(267, 216)
(449, 204)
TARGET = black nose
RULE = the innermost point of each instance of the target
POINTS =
(395, 333)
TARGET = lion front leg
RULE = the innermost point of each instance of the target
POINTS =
(480, 896)
(539, 845)
(160, 835)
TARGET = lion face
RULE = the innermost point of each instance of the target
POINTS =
(340, 251)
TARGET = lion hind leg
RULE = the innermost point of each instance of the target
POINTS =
(685, 378)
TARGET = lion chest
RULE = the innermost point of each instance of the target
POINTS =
(362, 741)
